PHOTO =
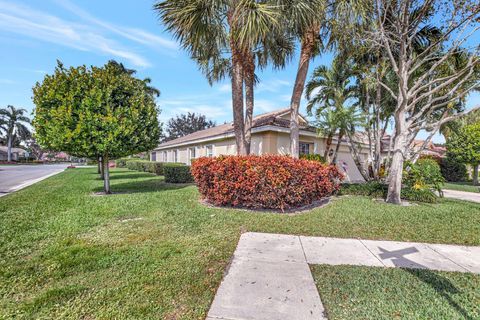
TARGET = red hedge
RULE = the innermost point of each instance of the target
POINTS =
(270, 181)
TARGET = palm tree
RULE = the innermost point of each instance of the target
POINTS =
(304, 22)
(330, 94)
(15, 120)
(219, 33)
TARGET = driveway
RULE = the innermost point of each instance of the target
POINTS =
(462, 195)
(13, 178)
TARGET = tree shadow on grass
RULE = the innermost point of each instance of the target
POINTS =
(443, 286)
(130, 175)
(143, 186)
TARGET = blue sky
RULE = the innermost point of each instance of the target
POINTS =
(34, 34)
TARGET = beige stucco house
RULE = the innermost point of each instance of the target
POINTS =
(270, 135)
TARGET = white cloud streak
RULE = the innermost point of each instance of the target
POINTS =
(24, 20)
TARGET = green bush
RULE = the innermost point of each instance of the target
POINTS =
(177, 173)
(370, 189)
(453, 170)
(134, 164)
(145, 166)
(424, 174)
(379, 190)
(313, 157)
(153, 167)
(121, 163)
(420, 195)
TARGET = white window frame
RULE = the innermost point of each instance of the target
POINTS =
(304, 143)
(165, 156)
(192, 155)
(206, 151)
(175, 155)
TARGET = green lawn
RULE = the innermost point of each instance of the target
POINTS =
(352, 292)
(461, 186)
(154, 252)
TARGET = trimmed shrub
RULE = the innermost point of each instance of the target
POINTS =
(313, 157)
(370, 189)
(145, 166)
(269, 181)
(453, 170)
(177, 173)
(134, 164)
(420, 195)
(424, 174)
(121, 163)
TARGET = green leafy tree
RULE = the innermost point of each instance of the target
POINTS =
(95, 112)
(14, 125)
(464, 145)
(185, 124)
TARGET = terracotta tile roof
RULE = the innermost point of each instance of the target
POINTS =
(271, 118)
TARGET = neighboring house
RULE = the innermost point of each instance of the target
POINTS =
(17, 153)
(270, 135)
(55, 157)
(430, 149)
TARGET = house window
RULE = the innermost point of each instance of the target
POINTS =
(305, 147)
(165, 159)
(191, 153)
(154, 156)
(209, 151)
(175, 155)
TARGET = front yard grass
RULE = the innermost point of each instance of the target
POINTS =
(152, 251)
(462, 186)
(354, 292)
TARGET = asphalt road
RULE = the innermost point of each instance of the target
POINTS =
(13, 178)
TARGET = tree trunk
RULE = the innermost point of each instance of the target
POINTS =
(99, 166)
(328, 144)
(102, 168)
(106, 175)
(9, 147)
(249, 99)
(237, 104)
(396, 171)
(475, 175)
(340, 137)
(306, 51)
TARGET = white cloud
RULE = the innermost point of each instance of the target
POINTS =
(6, 81)
(225, 88)
(266, 106)
(273, 85)
(213, 109)
(134, 34)
(42, 26)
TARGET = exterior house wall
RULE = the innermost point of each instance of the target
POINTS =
(269, 142)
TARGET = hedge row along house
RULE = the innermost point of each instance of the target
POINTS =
(270, 135)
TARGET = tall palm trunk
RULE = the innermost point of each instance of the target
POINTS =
(340, 137)
(9, 146)
(306, 52)
(237, 105)
(328, 145)
(249, 98)
(237, 87)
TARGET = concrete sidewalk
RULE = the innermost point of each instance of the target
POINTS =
(269, 277)
(462, 195)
